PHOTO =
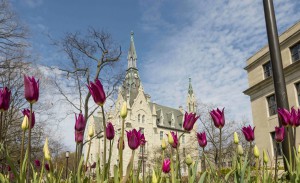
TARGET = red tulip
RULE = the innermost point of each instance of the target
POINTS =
(110, 132)
(279, 134)
(143, 140)
(202, 139)
(8, 168)
(97, 91)
(37, 163)
(27, 113)
(218, 117)
(166, 166)
(134, 139)
(4, 99)
(175, 138)
(79, 136)
(31, 89)
(93, 165)
(189, 121)
(248, 133)
(80, 122)
(47, 167)
(294, 117)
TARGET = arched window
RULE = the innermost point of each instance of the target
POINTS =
(143, 119)
(139, 118)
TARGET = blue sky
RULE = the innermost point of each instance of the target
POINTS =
(208, 41)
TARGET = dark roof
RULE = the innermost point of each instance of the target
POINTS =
(167, 112)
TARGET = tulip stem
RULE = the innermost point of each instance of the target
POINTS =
(1, 120)
(29, 144)
(109, 158)
(257, 173)
(87, 156)
(290, 149)
(76, 158)
(121, 150)
(104, 136)
(276, 164)
(172, 167)
(220, 149)
(22, 149)
(204, 163)
(178, 171)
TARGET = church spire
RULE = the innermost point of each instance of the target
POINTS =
(191, 100)
(190, 87)
(132, 57)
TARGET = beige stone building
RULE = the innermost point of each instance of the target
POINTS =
(153, 119)
(261, 88)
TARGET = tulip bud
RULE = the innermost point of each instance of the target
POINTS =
(170, 138)
(235, 138)
(265, 157)
(163, 144)
(91, 130)
(123, 112)
(256, 152)
(240, 150)
(299, 149)
(188, 160)
(154, 179)
(46, 150)
(25, 123)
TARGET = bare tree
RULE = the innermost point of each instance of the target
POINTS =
(90, 56)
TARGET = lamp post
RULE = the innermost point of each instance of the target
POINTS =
(67, 158)
(278, 76)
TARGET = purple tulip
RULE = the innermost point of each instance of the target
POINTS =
(47, 167)
(284, 116)
(175, 138)
(189, 121)
(93, 165)
(248, 133)
(80, 122)
(8, 168)
(37, 163)
(119, 143)
(134, 139)
(4, 99)
(218, 117)
(97, 91)
(27, 113)
(79, 136)
(31, 89)
(143, 140)
(110, 132)
(202, 139)
(166, 166)
(279, 134)
(294, 117)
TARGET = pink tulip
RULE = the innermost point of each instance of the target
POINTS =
(218, 117)
(110, 132)
(27, 113)
(279, 134)
(97, 91)
(4, 99)
(248, 133)
(166, 166)
(134, 139)
(79, 136)
(31, 89)
(143, 140)
(175, 138)
(80, 122)
(189, 121)
(284, 116)
(202, 139)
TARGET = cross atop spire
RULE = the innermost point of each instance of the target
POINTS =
(190, 87)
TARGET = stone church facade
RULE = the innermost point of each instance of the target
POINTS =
(153, 119)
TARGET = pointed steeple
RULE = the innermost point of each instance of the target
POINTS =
(191, 100)
(190, 87)
(132, 57)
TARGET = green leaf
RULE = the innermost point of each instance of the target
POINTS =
(202, 178)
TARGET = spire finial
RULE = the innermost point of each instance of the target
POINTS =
(190, 80)
(190, 86)
(131, 33)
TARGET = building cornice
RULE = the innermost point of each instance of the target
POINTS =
(268, 81)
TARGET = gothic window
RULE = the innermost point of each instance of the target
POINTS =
(183, 140)
(276, 145)
(297, 85)
(143, 119)
(267, 69)
(295, 52)
(139, 118)
(272, 105)
(189, 107)
(161, 135)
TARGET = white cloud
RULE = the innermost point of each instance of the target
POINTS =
(212, 50)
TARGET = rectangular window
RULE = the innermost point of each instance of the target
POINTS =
(161, 135)
(295, 52)
(272, 105)
(276, 145)
(297, 85)
(267, 69)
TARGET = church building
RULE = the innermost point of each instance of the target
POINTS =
(153, 119)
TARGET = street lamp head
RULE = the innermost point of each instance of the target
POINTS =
(67, 154)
